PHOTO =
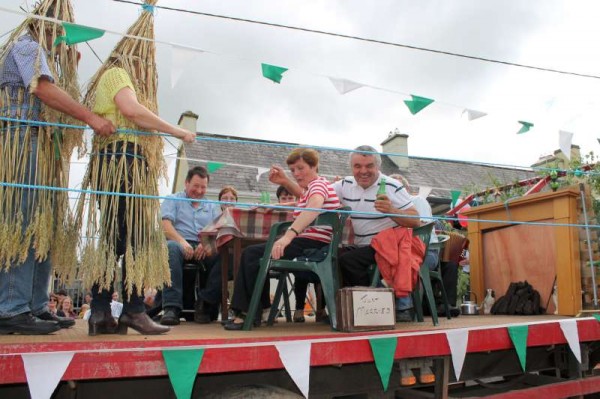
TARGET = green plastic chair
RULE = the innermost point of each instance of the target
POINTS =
(326, 270)
(437, 273)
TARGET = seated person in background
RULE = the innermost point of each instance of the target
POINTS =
(87, 299)
(228, 194)
(53, 304)
(359, 192)
(182, 222)
(116, 307)
(85, 308)
(284, 197)
(66, 309)
(316, 192)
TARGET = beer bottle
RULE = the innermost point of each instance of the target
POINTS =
(381, 191)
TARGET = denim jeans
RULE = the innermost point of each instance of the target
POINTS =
(173, 296)
(24, 287)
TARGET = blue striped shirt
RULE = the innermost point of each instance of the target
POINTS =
(18, 71)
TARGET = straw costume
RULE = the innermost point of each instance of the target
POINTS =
(125, 163)
(37, 155)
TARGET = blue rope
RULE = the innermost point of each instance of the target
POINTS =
(291, 145)
(282, 207)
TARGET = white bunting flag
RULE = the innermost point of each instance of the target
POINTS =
(569, 329)
(472, 114)
(344, 86)
(260, 172)
(424, 191)
(457, 341)
(295, 356)
(44, 371)
(180, 58)
(564, 142)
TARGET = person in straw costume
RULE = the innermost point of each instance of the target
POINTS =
(124, 91)
(38, 83)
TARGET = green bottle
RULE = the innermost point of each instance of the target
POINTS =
(381, 190)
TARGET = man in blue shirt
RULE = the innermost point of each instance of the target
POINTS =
(182, 220)
(28, 92)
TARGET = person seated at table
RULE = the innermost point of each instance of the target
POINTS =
(228, 194)
(284, 197)
(182, 221)
(317, 193)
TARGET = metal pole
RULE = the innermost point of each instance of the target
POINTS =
(589, 242)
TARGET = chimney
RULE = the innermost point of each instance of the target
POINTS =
(188, 120)
(397, 143)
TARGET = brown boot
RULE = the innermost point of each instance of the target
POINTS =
(101, 322)
(141, 323)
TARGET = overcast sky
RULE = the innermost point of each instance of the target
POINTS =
(226, 88)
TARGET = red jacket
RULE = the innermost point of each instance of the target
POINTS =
(399, 255)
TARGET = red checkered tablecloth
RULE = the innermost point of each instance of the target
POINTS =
(251, 223)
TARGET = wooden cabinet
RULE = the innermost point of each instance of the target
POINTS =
(503, 252)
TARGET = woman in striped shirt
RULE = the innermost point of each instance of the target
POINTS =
(318, 193)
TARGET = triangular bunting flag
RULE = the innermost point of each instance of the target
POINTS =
(455, 194)
(78, 33)
(564, 142)
(457, 341)
(424, 191)
(214, 166)
(180, 59)
(569, 329)
(472, 114)
(596, 316)
(526, 126)
(518, 336)
(44, 371)
(260, 172)
(182, 366)
(295, 357)
(417, 104)
(273, 72)
(384, 350)
(344, 86)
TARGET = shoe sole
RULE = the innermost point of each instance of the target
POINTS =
(25, 332)
(170, 322)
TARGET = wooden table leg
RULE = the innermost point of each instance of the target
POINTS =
(224, 252)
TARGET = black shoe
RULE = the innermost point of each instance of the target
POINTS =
(405, 316)
(232, 326)
(27, 324)
(63, 322)
(101, 322)
(202, 312)
(454, 311)
(170, 317)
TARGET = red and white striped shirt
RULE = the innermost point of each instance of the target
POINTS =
(319, 186)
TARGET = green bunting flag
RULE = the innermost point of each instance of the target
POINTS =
(417, 103)
(78, 33)
(455, 194)
(518, 335)
(525, 127)
(273, 72)
(384, 350)
(182, 366)
(597, 316)
(214, 166)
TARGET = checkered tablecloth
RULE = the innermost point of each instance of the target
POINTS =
(251, 223)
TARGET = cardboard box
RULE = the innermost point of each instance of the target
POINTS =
(366, 309)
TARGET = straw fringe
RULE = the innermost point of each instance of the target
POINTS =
(147, 264)
(46, 221)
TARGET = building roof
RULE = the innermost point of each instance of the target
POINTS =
(242, 159)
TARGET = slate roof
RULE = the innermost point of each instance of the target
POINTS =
(443, 176)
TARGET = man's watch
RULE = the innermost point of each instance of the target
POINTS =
(294, 231)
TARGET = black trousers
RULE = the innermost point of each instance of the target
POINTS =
(450, 280)
(250, 264)
(102, 297)
(355, 262)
